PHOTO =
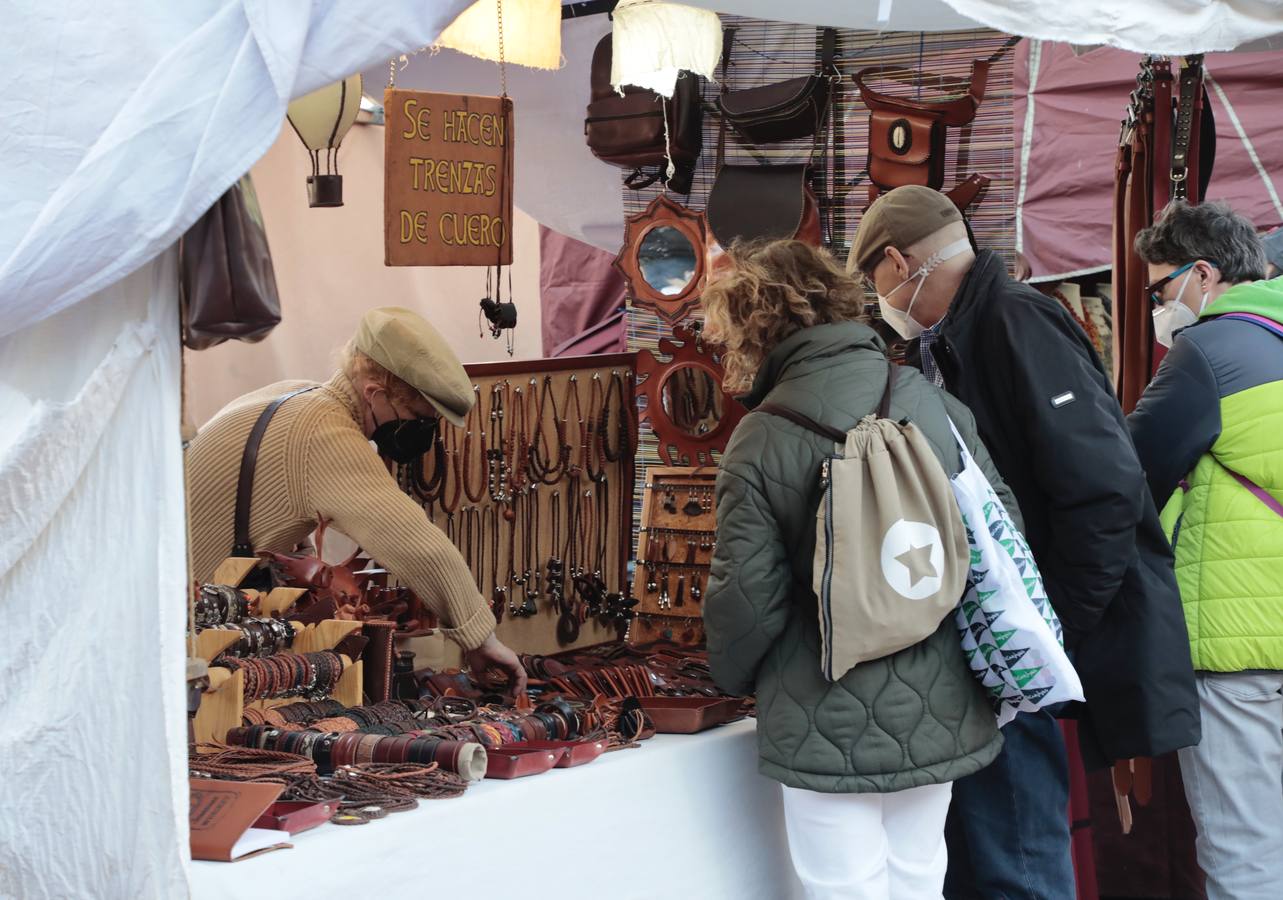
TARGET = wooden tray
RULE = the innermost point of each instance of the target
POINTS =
(574, 753)
(688, 715)
(506, 763)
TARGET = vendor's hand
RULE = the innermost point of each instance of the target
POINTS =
(494, 654)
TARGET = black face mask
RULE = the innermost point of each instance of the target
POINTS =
(405, 440)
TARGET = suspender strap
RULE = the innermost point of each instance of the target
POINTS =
(249, 461)
(827, 431)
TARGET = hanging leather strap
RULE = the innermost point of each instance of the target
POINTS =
(728, 38)
(249, 461)
(1191, 85)
(827, 431)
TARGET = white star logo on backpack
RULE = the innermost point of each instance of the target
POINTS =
(913, 559)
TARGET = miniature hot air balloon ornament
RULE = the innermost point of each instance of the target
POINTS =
(321, 119)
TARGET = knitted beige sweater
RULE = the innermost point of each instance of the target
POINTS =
(314, 463)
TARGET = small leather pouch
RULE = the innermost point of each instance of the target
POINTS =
(778, 112)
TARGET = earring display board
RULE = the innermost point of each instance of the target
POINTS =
(674, 552)
(536, 492)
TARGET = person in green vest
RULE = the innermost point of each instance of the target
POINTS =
(1209, 432)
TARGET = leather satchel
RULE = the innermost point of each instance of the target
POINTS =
(761, 202)
(907, 137)
(641, 129)
(785, 110)
(227, 284)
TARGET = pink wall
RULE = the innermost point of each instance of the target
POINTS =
(329, 268)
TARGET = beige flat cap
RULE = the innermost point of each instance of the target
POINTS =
(402, 341)
(899, 218)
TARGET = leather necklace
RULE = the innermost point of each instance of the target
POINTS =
(474, 496)
(499, 592)
(546, 466)
(554, 583)
(623, 435)
(573, 469)
(496, 446)
(595, 435)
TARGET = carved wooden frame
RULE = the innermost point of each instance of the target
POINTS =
(676, 446)
(661, 211)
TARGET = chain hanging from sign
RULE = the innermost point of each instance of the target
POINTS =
(448, 175)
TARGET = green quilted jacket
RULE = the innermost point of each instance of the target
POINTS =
(913, 718)
(1216, 407)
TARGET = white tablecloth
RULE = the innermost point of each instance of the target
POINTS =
(681, 816)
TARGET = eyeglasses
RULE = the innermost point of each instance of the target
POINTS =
(1156, 289)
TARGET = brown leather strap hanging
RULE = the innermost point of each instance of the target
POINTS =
(1186, 133)
(1161, 140)
(241, 545)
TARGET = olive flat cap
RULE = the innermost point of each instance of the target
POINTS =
(402, 341)
(899, 218)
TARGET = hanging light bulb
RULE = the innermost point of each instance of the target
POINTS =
(321, 119)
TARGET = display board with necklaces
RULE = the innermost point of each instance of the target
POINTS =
(536, 492)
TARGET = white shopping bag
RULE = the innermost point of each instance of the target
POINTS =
(1010, 634)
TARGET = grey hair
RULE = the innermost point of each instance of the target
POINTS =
(1182, 233)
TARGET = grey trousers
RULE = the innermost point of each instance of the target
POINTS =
(1234, 784)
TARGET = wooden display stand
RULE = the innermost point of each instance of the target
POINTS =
(674, 553)
(223, 703)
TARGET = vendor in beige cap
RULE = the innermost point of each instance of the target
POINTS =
(1045, 409)
(395, 378)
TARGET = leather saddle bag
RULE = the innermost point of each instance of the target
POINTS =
(907, 137)
(629, 130)
(784, 110)
(763, 202)
(751, 203)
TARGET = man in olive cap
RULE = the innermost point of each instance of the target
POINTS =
(397, 376)
(1047, 413)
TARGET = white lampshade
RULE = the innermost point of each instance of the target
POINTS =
(531, 32)
(652, 42)
(321, 119)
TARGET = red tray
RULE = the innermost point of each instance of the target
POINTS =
(506, 763)
(574, 753)
(296, 816)
(687, 715)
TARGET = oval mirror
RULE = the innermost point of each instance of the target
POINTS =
(667, 260)
(692, 400)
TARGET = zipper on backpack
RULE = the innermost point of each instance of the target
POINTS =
(825, 472)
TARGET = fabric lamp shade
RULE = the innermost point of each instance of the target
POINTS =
(653, 42)
(321, 119)
(531, 32)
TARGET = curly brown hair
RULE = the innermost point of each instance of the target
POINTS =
(767, 292)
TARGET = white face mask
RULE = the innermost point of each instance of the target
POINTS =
(901, 319)
(1174, 315)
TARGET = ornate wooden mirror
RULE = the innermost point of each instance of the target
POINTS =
(663, 259)
(690, 414)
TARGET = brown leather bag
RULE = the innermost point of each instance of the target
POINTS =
(762, 202)
(907, 137)
(629, 130)
(785, 110)
(228, 286)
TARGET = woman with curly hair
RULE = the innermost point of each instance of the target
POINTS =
(866, 761)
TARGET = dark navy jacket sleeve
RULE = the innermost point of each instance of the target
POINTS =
(1178, 418)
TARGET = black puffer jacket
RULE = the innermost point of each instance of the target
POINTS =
(1047, 412)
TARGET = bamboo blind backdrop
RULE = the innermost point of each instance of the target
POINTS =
(938, 65)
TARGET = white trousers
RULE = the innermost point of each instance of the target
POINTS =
(869, 846)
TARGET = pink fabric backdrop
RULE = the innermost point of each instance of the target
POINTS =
(1078, 103)
(582, 296)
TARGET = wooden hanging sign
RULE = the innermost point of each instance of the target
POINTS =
(447, 181)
